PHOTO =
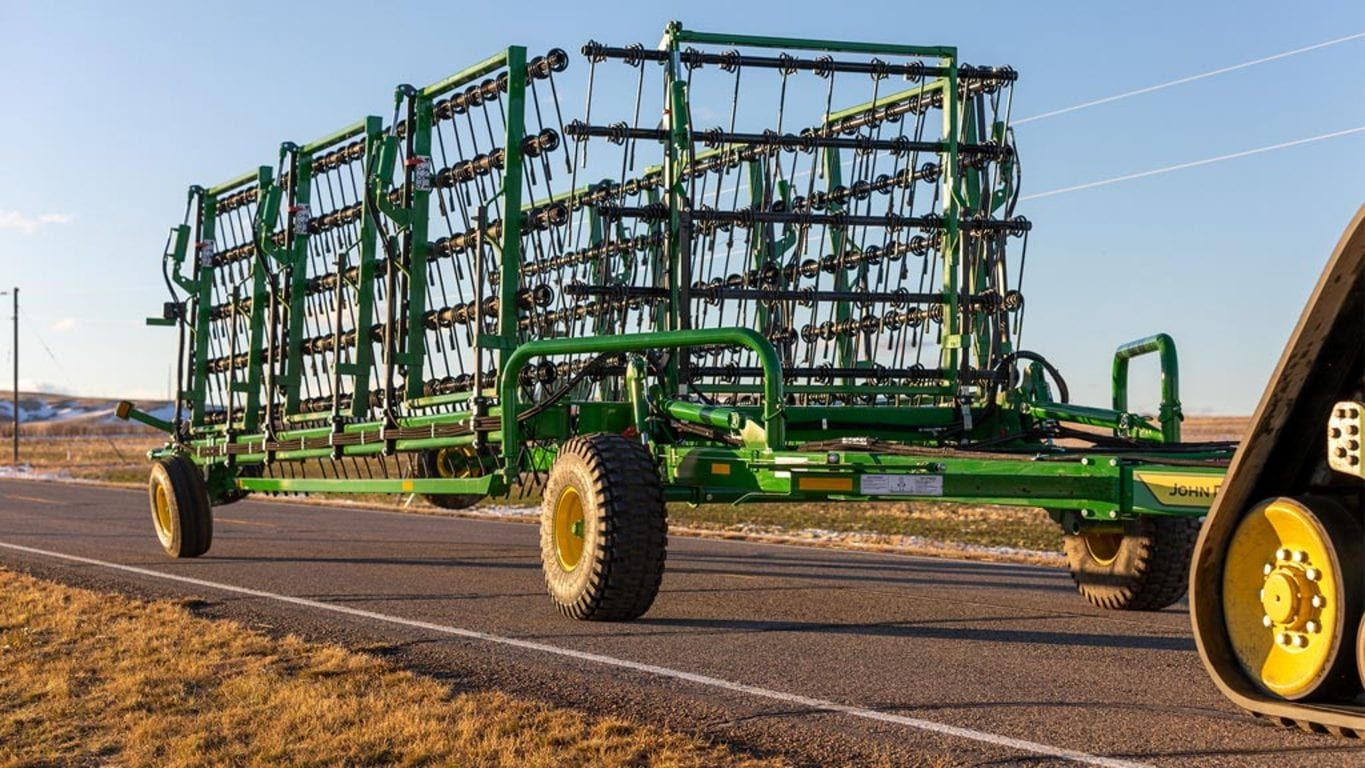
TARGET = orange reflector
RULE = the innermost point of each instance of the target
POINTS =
(720, 469)
(825, 483)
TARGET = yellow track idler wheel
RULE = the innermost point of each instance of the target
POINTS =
(1292, 595)
(456, 461)
(181, 515)
(603, 529)
(1144, 566)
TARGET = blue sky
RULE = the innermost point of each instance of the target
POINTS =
(113, 109)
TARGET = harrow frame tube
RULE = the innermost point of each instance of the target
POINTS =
(364, 353)
(259, 301)
(415, 201)
(203, 292)
(296, 248)
(773, 419)
(351, 131)
(509, 281)
(831, 46)
(231, 184)
(1097, 488)
(954, 341)
(1164, 346)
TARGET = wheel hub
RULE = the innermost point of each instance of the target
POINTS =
(1287, 597)
(1281, 599)
(1103, 547)
(568, 528)
(163, 513)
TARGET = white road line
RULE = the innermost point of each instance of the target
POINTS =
(611, 661)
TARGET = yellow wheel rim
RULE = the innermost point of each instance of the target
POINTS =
(1103, 547)
(161, 512)
(457, 462)
(1281, 597)
(569, 528)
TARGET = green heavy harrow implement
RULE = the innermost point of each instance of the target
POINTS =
(751, 269)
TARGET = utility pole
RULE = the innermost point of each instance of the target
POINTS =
(16, 375)
(15, 294)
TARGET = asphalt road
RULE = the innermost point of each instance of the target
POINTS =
(819, 655)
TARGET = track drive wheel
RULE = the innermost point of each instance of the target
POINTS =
(1145, 567)
(181, 514)
(1292, 597)
(456, 461)
(603, 529)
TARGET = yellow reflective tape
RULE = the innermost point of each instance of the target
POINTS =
(407, 486)
(720, 469)
(825, 483)
(1178, 490)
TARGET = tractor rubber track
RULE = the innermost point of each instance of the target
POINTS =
(1323, 356)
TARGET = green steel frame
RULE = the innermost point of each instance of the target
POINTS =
(763, 463)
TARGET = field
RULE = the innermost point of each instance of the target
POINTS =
(970, 530)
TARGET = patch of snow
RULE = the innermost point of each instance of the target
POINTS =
(26, 472)
(506, 511)
(164, 412)
(857, 539)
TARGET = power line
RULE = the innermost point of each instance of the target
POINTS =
(1158, 87)
(1194, 163)
(33, 329)
(1189, 79)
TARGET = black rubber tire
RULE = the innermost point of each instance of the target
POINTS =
(452, 500)
(190, 516)
(1360, 654)
(625, 529)
(427, 467)
(1149, 571)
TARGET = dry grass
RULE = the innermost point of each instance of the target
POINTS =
(109, 459)
(979, 525)
(93, 678)
(1199, 429)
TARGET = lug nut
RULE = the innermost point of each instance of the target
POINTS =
(1300, 641)
(1312, 574)
(1301, 556)
(1268, 569)
(1312, 626)
(1267, 622)
(1317, 601)
(1283, 638)
(1282, 553)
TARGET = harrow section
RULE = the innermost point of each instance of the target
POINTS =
(750, 269)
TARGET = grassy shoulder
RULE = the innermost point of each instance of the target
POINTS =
(109, 459)
(887, 522)
(92, 678)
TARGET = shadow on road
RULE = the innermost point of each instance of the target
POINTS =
(932, 630)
